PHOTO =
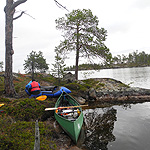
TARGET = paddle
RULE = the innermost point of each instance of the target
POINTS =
(41, 98)
(1, 105)
(65, 107)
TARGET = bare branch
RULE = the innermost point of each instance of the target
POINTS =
(30, 16)
(59, 5)
(18, 2)
(19, 15)
(22, 12)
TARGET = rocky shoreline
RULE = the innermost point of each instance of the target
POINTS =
(113, 91)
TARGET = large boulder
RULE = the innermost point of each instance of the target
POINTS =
(69, 77)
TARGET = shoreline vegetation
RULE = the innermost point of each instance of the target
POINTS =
(18, 119)
(134, 59)
(94, 66)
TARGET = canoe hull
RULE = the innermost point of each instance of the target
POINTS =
(72, 128)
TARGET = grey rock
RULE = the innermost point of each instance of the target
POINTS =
(81, 100)
(69, 77)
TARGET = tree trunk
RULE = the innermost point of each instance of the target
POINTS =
(77, 55)
(9, 13)
(9, 86)
(32, 63)
(77, 60)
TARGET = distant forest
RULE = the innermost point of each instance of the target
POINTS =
(135, 59)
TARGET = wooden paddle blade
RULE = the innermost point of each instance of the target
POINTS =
(42, 98)
(1, 105)
(65, 107)
(50, 109)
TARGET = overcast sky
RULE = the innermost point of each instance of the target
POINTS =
(126, 21)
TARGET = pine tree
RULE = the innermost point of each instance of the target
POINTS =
(59, 64)
(82, 34)
(35, 62)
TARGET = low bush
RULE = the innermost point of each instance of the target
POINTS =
(21, 135)
(27, 109)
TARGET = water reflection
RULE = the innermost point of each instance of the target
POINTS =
(99, 125)
(124, 127)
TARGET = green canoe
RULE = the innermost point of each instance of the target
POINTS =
(70, 119)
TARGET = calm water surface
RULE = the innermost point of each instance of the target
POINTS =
(136, 77)
(119, 127)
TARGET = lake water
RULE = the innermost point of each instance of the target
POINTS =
(124, 127)
(136, 77)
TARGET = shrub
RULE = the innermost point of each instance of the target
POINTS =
(21, 135)
(26, 109)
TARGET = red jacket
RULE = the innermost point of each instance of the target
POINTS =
(35, 86)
